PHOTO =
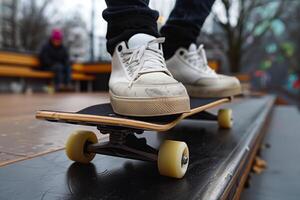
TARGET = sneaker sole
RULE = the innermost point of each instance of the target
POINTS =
(211, 92)
(143, 107)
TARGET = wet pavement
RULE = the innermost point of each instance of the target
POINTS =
(280, 180)
(21, 135)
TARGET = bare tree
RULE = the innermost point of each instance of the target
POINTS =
(33, 24)
(9, 29)
(74, 19)
(243, 25)
(76, 36)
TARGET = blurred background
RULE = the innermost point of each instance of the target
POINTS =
(257, 40)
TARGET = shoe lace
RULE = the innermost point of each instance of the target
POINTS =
(145, 59)
(198, 58)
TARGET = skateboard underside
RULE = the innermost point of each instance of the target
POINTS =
(103, 115)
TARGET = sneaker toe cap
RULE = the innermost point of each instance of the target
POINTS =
(221, 80)
(149, 90)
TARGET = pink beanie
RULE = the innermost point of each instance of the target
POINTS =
(56, 34)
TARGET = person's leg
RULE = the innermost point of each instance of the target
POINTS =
(184, 24)
(139, 84)
(57, 69)
(67, 70)
(187, 62)
(126, 18)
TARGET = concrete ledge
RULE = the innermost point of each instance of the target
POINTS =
(220, 161)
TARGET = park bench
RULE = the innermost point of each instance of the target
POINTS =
(25, 66)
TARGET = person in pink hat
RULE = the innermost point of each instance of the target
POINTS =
(54, 57)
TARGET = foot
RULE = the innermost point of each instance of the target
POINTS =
(140, 84)
(190, 67)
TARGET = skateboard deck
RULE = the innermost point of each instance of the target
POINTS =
(103, 114)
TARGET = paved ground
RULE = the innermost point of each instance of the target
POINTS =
(215, 156)
(281, 178)
(21, 135)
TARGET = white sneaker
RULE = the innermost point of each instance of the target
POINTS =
(140, 84)
(191, 68)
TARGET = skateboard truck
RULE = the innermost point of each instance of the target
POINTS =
(124, 143)
(172, 158)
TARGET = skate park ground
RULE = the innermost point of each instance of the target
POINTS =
(34, 165)
(31, 136)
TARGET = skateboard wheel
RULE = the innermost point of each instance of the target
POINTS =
(76, 144)
(173, 159)
(225, 118)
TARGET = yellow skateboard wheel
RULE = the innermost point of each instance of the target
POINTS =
(225, 118)
(76, 144)
(173, 159)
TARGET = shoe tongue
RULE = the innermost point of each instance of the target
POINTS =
(140, 39)
(192, 47)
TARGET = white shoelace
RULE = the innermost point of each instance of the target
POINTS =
(145, 59)
(198, 58)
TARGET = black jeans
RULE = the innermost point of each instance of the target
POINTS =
(128, 17)
(62, 74)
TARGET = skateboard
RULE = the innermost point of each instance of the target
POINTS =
(172, 157)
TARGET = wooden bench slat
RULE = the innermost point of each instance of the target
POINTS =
(82, 77)
(19, 59)
(14, 71)
(93, 68)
